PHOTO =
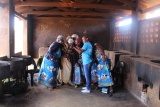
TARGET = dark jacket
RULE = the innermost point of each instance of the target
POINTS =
(51, 53)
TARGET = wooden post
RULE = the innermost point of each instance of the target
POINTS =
(1, 89)
(11, 28)
(112, 25)
(30, 28)
(134, 28)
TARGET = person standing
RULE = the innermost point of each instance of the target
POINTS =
(86, 51)
(105, 80)
(50, 64)
(65, 71)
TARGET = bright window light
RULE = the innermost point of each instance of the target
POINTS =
(124, 22)
(18, 28)
(153, 14)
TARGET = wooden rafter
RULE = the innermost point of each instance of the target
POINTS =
(98, 1)
(126, 2)
(21, 10)
(51, 9)
(151, 8)
(67, 13)
(64, 9)
(73, 18)
(142, 6)
(72, 13)
(19, 15)
(87, 1)
(82, 10)
(74, 5)
(66, 1)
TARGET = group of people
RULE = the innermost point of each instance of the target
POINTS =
(75, 63)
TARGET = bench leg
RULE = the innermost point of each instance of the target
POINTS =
(32, 79)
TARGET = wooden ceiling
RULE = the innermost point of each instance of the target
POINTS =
(80, 9)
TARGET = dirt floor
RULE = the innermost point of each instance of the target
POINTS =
(68, 96)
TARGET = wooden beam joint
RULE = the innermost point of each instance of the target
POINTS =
(19, 15)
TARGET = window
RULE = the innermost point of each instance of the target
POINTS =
(124, 22)
(153, 14)
(18, 40)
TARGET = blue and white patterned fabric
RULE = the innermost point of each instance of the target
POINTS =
(94, 78)
(103, 72)
(77, 75)
(48, 71)
(81, 65)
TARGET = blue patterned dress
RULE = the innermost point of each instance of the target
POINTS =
(49, 69)
(77, 75)
(94, 78)
(103, 72)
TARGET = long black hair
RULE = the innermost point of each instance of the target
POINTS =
(93, 52)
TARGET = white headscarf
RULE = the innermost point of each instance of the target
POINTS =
(60, 37)
(70, 41)
(75, 36)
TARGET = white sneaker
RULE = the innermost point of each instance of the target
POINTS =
(104, 92)
(85, 91)
(84, 88)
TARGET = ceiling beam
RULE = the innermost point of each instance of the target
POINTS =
(19, 15)
(126, 2)
(67, 13)
(82, 10)
(87, 1)
(124, 18)
(21, 9)
(151, 8)
(98, 1)
(141, 7)
(66, 10)
(74, 5)
(73, 18)
(74, 13)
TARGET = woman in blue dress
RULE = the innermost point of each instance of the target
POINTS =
(49, 68)
(103, 71)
